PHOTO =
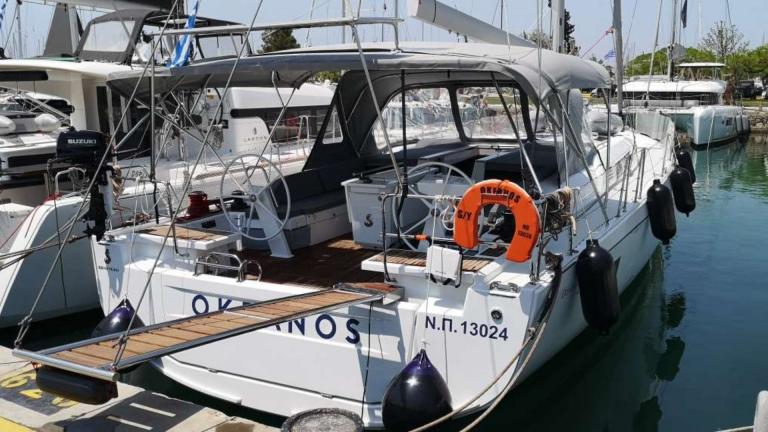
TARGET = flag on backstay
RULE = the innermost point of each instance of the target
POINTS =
(182, 51)
(684, 14)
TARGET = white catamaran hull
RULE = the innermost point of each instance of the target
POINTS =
(71, 290)
(708, 125)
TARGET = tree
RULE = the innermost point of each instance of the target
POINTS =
(332, 76)
(699, 55)
(642, 63)
(569, 42)
(724, 40)
(568, 29)
(278, 40)
(538, 36)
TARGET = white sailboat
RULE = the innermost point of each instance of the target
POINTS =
(315, 289)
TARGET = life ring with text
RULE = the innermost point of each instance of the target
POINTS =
(513, 197)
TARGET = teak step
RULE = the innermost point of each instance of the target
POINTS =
(95, 357)
(419, 259)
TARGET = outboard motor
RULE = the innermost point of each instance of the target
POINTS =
(685, 161)
(661, 212)
(86, 149)
(416, 396)
(598, 287)
(117, 321)
(76, 387)
(682, 188)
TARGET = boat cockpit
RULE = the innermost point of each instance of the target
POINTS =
(451, 131)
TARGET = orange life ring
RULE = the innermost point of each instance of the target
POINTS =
(508, 194)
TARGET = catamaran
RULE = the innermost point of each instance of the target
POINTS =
(692, 94)
(695, 102)
(37, 169)
(405, 277)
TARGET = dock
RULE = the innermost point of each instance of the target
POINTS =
(23, 407)
(758, 119)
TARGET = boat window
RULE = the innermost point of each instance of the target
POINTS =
(109, 36)
(674, 98)
(429, 121)
(482, 112)
(297, 123)
(218, 46)
(143, 46)
(333, 133)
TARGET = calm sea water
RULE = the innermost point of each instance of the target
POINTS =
(689, 353)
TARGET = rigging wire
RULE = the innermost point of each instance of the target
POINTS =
(367, 362)
(629, 32)
(653, 53)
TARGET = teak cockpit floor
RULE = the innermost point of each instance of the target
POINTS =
(322, 265)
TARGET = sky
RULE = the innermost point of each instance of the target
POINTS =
(591, 17)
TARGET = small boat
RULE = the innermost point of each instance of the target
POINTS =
(407, 277)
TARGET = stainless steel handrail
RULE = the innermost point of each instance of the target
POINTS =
(241, 268)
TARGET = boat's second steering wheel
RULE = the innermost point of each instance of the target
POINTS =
(448, 175)
(252, 179)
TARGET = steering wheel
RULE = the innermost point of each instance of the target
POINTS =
(252, 176)
(439, 208)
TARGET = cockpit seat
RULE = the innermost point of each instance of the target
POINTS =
(318, 203)
(416, 154)
(510, 165)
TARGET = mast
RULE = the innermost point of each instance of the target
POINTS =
(19, 33)
(698, 39)
(618, 41)
(558, 25)
(671, 49)
(343, 15)
(74, 26)
(501, 14)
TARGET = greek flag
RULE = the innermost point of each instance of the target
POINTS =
(610, 55)
(2, 13)
(181, 53)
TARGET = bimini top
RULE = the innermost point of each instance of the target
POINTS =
(291, 68)
(113, 37)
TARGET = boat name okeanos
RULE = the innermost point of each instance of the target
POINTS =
(325, 326)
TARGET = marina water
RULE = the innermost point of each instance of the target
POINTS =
(688, 354)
